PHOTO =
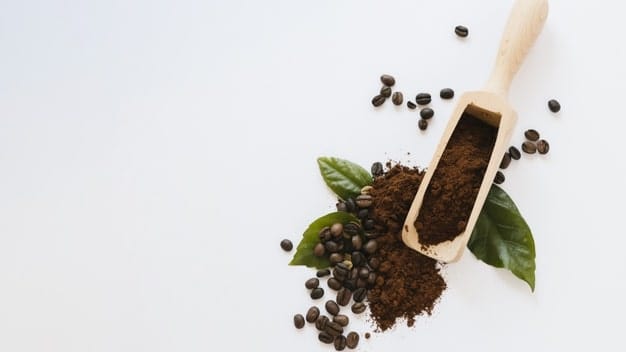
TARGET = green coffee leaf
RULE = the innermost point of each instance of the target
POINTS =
(304, 253)
(343, 177)
(501, 237)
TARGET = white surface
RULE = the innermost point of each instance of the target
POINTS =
(154, 153)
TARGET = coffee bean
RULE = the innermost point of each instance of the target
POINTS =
(359, 294)
(336, 229)
(341, 319)
(363, 201)
(388, 80)
(340, 343)
(325, 337)
(397, 98)
(371, 279)
(319, 250)
(514, 152)
(286, 245)
(298, 321)
(350, 205)
(363, 214)
(324, 234)
(374, 263)
(352, 228)
(320, 323)
(461, 31)
(529, 147)
(378, 100)
(323, 272)
(341, 206)
(366, 190)
(506, 161)
(554, 105)
(385, 91)
(367, 335)
(423, 99)
(531, 135)
(377, 169)
(350, 284)
(364, 273)
(312, 283)
(358, 308)
(446, 93)
(335, 258)
(369, 224)
(422, 124)
(361, 283)
(497, 180)
(427, 113)
(411, 105)
(331, 307)
(343, 296)
(370, 247)
(331, 246)
(334, 284)
(358, 258)
(317, 293)
(352, 340)
(333, 329)
(543, 147)
(312, 314)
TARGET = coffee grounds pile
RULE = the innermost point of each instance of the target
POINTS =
(409, 284)
(450, 196)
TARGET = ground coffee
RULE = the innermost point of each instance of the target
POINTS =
(450, 196)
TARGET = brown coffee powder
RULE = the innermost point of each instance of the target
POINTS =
(450, 196)
(408, 284)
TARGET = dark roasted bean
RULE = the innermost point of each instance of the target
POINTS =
(422, 124)
(531, 135)
(350, 205)
(506, 161)
(320, 323)
(323, 272)
(358, 258)
(331, 246)
(364, 273)
(325, 337)
(340, 343)
(529, 147)
(354, 273)
(461, 31)
(377, 169)
(446, 93)
(364, 200)
(334, 329)
(312, 283)
(388, 80)
(554, 105)
(343, 296)
(324, 233)
(385, 91)
(370, 247)
(411, 105)
(341, 319)
(359, 294)
(298, 321)
(350, 284)
(499, 179)
(351, 228)
(358, 308)
(427, 113)
(286, 245)
(378, 100)
(352, 340)
(423, 98)
(543, 147)
(374, 263)
(363, 214)
(515, 153)
(335, 258)
(361, 283)
(341, 206)
(319, 250)
(331, 307)
(312, 314)
(317, 293)
(334, 284)
(371, 279)
(336, 230)
(369, 224)
(357, 244)
(397, 98)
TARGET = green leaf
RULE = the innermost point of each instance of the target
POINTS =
(344, 177)
(304, 253)
(501, 237)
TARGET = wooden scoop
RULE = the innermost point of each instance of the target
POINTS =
(489, 105)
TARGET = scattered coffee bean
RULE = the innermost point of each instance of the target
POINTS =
(335, 258)
(312, 283)
(331, 307)
(377, 169)
(378, 100)
(411, 105)
(341, 319)
(359, 294)
(298, 321)
(497, 180)
(531, 135)
(367, 335)
(515, 153)
(422, 124)
(370, 247)
(333, 329)
(506, 161)
(331, 246)
(336, 229)
(343, 296)
(352, 340)
(324, 337)
(423, 99)
(286, 245)
(427, 113)
(357, 257)
(529, 147)
(324, 234)
(388, 80)
(364, 201)
(397, 98)
(554, 105)
(323, 272)
(319, 250)
(340, 343)
(446, 93)
(543, 147)
(317, 293)
(357, 244)
(461, 31)
(385, 91)
(320, 323)
(312, 314)
(358, 308)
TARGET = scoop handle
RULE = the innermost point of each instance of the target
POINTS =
(524, 25)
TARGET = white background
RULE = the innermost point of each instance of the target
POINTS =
(153, 154)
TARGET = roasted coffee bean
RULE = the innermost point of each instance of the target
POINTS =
(286, 245)
(350, 205)
(423, 98)
(352, 340)
(411, 105)
(531, 135)
(350, 284)
(370, 247)
(385, 91)
(319, 250)
(461, 31)
(366, 190)
(341, 319)
(343, 296)
(515, 153)
(352, 228)
(543, 147)
(358, 258)
(369, 224)
(324, 234)
(358, 308)
(371, 279)
(427, 113)
(325, 337)
(341, 206)
(331, 246)
(354, 273)
(422, 124)
(336, 229)
(388, 80)
(317, 293)
(506, 161)
(377, 169)
(367, 335)
(334, 329)
(323, 272)
(529, 147)
(363, 214)
(360, 283)
(335, 258)
(340, 343)
(334, 284)
(446, 93)
(320, 323)
(499, 179)
(364, 273)
(359, 294)
(312, 283)
(343, 268)
(348, 263)
(374, 263)
(331, 307)
(397, 98)
(554, 105)
(378, 100)
(312, 314)
(298, 321)
(357, 244)
(363, 201)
